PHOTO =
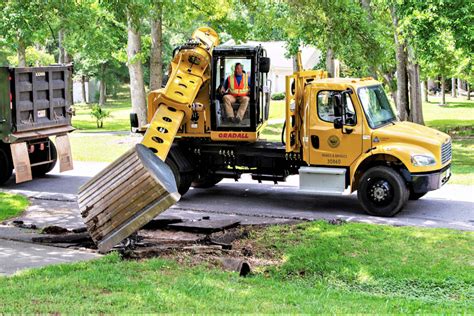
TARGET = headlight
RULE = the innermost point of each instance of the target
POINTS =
(422, 160)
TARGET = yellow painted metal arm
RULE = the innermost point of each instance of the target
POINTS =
(170, 106)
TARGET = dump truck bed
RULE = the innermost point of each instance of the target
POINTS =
(34, 100)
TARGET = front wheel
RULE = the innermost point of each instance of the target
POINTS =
(183, 179)
(416, 196)
(382, 191)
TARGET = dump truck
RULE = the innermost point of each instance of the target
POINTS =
(340, 136)
(34, 108)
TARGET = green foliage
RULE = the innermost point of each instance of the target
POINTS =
(99, 115)
(12, 205)
(34, 58)
(278, 96)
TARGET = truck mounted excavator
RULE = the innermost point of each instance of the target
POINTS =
(340, 136)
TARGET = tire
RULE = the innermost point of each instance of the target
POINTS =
(6, 165)
(382, 191)
(416, 196)
(41, 170)
(183, 180)
(206, 182)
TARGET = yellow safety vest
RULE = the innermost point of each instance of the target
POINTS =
(238, 90)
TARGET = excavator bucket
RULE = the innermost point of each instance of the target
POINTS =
(126, 195)
(139, 185)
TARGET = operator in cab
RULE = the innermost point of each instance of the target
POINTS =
(237, 88)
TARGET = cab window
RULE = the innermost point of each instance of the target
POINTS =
(326, 105)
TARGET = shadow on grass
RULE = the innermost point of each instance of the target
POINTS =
(454, 105)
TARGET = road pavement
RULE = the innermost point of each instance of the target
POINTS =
(16, 256)
(451, 207)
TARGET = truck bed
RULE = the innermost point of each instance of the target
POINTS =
(33, 99)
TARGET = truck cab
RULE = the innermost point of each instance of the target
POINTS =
(352, 139)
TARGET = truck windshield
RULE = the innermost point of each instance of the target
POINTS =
(376, 106)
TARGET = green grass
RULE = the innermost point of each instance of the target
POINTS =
(351, 268)
(99, 148)
(11, 205)
(119, 107)
(277, 110)
(463, 162)
(456, 118)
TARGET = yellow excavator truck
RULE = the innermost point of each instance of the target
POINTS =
(340, 135)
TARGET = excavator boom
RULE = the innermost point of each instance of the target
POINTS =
(139, 185)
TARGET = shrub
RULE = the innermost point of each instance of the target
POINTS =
(99, 114)
(278, 96)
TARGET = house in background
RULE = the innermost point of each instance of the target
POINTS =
(281, 66)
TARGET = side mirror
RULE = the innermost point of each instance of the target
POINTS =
(338, 123)
(264, 65)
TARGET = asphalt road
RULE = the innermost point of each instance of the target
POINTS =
(452, 206)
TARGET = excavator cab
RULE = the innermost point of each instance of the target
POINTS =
(255, 65)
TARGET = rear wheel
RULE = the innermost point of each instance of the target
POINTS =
(206, 182)
(6, 166)
(382, 191)
(41, 170)
(183, 179)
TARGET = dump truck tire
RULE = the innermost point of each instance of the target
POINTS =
(41, 170)
(6, 166)
(206, 182)
(183, 179)
(382, 191)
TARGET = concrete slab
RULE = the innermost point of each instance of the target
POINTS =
(205, 226)
(17, 256)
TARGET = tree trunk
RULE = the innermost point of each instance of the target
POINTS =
(453, 87)
(102, 86)
(330, 62)
(388, 77)
(83, 86)
(62, 52)
(21, 53)
(137, 86)
(468, 91)
(425, 85)
(459, 87)
(402, 78)
(416, 112)
(443, 88)
(156, 60)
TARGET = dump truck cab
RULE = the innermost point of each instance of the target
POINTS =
(350, 127)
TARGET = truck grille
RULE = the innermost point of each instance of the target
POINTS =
(446, 152)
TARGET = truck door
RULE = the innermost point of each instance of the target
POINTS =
(327, 145)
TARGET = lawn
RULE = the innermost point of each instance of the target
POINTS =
(100, 148)
(119, 108)
(349, 268)
(11, 205)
